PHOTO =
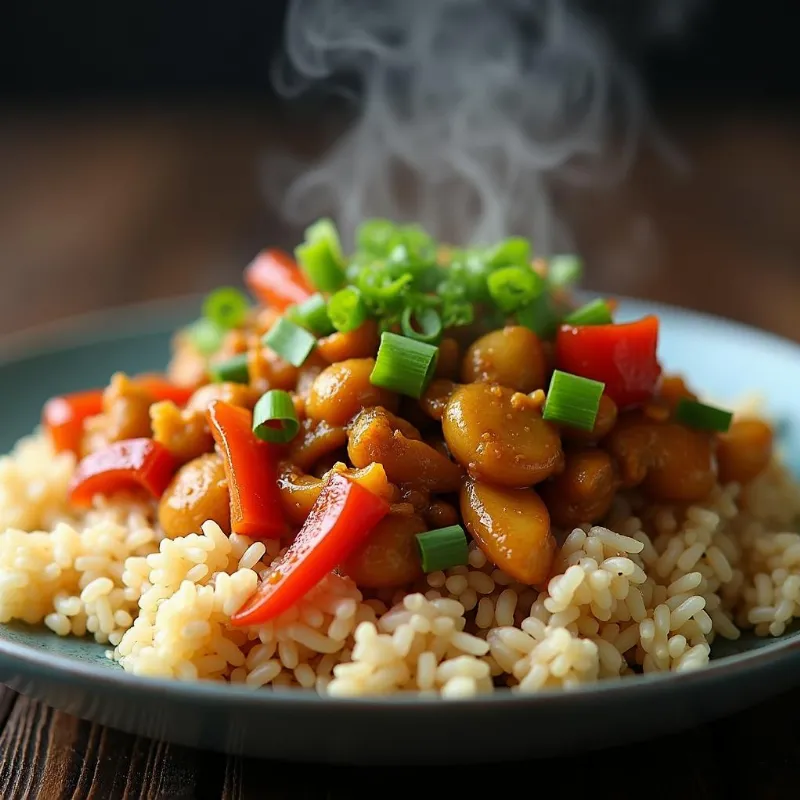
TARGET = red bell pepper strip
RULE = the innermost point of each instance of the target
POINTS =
(622, 356)
(122, 465)
(63, 417)
(276, 280)
(340, 520)
(251, 467)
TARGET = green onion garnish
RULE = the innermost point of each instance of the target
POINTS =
(428, 321)
(573, 400)
(205, 335)
(404, 365)
(513, 288)
(540, 316)
(275, 418)
(564, 271)
(595, 312)
(312, 314)
(226, 307)
(291, 342)
(703, 417)
(321, 257)
(233, 370)
(347, 310)
(515, 251)
(443, 548)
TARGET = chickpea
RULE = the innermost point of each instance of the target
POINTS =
(512, 357)
(745, 451)
(268, 370)
(299, 491)
(235, 394)
(184, 433)
(389, 557)
(440, 514)
(308, 373)
(435, 398)
(377, 435)
(126, 407)
(314, 441)
(499, 438)
(604, 422)
(360, 343)
(672, 390)
(512, 527)
(342, 390)
(447, 364)
(198, 492)
(672, 463)
(583, 492)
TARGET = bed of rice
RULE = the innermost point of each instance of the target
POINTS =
(651, 591)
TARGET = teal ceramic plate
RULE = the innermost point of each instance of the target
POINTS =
(724, 359)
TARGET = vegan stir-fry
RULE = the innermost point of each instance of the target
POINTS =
(408, 468)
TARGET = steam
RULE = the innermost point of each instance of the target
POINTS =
(467, 108)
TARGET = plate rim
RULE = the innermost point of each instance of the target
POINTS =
(136, 318)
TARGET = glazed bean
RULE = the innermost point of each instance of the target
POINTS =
(440, 514)
(235, 394)
(389, 557)
(512, 527)
(603, 424)
(314, 441)
(361, 343)
(341, 390)
(672, 390)
(184, 433)
(377, 435)
(435, 398)
(583, 492)
(126, 407)
(449, 359)
(512, 357)
(500, 436)
(198, 492)
(745, 451)
(268, 370)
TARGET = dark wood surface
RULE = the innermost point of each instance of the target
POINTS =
(107, 209)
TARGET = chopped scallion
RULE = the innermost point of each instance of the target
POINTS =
(513, 288)
(275, 418)
(404, 365)
(347, 309)
(291, 342)
(312, 314)
(540, 316)
(226, 307)
(595, 312)
(443, 548)
(564, 271)
(515, 251)
(205, 335)
(428, 321)
(703, 417)
(232, 370)
(320, 256)
(572, 400)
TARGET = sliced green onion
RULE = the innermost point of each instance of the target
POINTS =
(320, 256)
(226, 307)
(513, 288)
(312, 314)
(428, 321)
(443, 548)
(404, 365)
(540, 316)
(232, 370)
(291, 342)
(703, 417)
(515, 251)
(564, 271)
(275, 418)
(573, 400)
(205, 335)
(595, 312)
(347, 310)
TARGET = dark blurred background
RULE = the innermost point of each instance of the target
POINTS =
(131, 137)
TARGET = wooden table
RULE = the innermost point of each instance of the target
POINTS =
(112, 208)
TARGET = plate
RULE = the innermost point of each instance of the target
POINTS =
(725, 359)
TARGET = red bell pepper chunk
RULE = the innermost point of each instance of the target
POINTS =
(622, 356)
(340, 520)
(251, 467)
(276, 280)
(164, 389)
(122, 465)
